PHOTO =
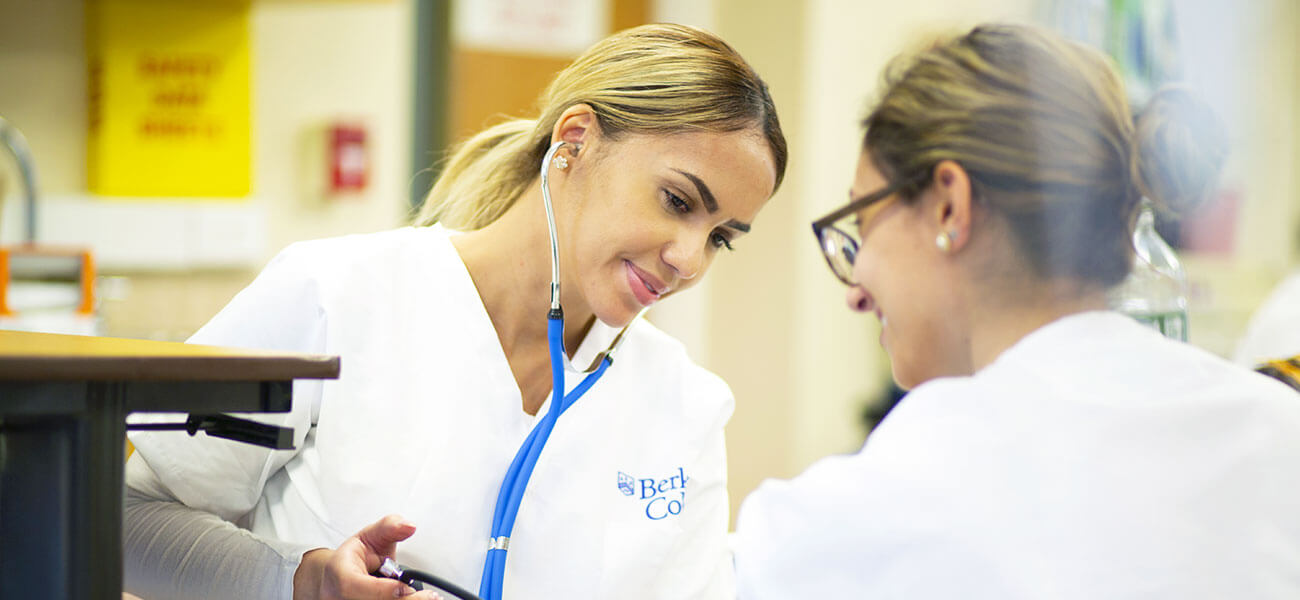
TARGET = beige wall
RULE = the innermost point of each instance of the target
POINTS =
(322, 61)
(43, 88)
(753, 334)
(1265, 89)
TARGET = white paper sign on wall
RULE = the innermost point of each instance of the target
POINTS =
(550, 27)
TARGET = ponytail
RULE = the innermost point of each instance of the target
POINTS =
(484, 176)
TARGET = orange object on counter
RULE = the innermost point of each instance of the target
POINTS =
(64, 263)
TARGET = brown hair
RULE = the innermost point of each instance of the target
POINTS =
(652, 79)
(1043, 128)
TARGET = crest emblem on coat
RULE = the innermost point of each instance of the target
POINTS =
(626, 484)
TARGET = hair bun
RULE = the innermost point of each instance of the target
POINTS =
(1179, 149)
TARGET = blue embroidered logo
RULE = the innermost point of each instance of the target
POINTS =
(662, 497)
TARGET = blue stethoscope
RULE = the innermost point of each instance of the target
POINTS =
(521, 468)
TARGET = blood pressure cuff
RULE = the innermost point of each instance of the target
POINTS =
(1286, 370)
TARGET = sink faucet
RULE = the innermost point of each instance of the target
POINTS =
(17, 145)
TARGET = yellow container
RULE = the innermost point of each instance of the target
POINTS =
(169, 98)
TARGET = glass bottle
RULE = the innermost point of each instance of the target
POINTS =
(1155, 292)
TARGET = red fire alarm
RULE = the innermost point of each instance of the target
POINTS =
(348, 158)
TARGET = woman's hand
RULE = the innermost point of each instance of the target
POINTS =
(344, 573)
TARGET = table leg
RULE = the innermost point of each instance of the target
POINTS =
(61, 501)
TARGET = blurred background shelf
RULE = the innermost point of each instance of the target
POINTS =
(151, 234)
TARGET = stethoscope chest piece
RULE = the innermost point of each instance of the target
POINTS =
(418, 579)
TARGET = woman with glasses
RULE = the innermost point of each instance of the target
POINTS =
(653, 153)
(1048, 448)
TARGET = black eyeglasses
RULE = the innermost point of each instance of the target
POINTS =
(838, 245)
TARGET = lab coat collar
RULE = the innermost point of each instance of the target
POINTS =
(598, 337)
(1046, 340)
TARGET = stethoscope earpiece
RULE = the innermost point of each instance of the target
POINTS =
(550, 223)
(560, 161)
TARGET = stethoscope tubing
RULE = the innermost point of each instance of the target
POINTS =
(521, 467)
(521, 470)
(418, 579)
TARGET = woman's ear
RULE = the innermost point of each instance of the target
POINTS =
(577, 126)
(953, 210)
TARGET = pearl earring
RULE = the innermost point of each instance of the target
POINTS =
(944, 241)
(560, 162)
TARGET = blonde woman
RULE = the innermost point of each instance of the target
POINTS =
(1048, 448)
(661, 145)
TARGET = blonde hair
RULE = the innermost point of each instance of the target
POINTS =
(1043, 128)
(653, 79)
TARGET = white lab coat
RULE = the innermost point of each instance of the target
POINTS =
(1274, 329)
(628, 500)
(1093, 459)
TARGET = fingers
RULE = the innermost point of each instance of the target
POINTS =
(389, 588)
(381, 537)
(374, 588)
(347, 576)
(344, 580)
(409, 594)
